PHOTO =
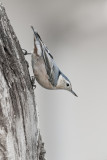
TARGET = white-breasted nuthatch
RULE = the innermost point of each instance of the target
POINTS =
(45, 69)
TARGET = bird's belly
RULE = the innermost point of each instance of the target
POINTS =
(43, 81)
(41, 74)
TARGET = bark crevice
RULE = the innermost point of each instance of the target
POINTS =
(19, 133)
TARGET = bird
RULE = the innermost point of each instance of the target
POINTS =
(45, 70)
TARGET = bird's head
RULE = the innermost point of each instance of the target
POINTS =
(64, 83)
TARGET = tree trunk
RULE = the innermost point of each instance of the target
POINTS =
(19, 133)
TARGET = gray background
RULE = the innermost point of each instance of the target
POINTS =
(75, 32)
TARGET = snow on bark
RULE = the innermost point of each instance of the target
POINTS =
(20, 138)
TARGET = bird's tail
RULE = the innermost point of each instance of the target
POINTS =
(36, 34)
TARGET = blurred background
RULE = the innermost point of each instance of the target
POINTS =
(75, 32)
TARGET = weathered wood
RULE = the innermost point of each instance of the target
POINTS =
(19, 133)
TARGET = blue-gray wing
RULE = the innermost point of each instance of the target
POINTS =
(51, 68)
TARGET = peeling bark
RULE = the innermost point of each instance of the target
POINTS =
(19, 133)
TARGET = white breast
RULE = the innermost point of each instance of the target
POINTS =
(40, 71)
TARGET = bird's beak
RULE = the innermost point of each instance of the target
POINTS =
(73, 93)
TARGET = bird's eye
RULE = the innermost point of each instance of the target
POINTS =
(67, 84)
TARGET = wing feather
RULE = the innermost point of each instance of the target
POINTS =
(51, 67)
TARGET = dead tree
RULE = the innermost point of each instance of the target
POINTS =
(19, 133)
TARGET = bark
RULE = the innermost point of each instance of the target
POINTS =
(19, 133)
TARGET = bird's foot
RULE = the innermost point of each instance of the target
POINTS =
(25, 52)
(27, 64)
(33, 82)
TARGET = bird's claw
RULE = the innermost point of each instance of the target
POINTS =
(25, 52)
(27, 64)
(34, 86)
(33, 82)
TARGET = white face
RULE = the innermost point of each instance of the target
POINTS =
(64, 84)
(68, 85)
